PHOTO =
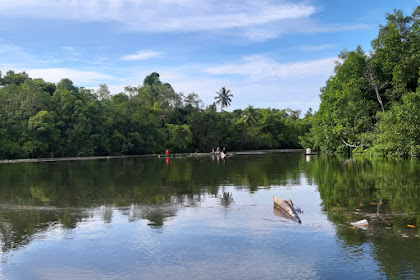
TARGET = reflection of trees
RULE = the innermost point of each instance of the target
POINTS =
(226, 199)
(156, 215)
(17, 225)
(139, 181)
(63, 193)
(59, 191)
(361, 184)
(351, 190)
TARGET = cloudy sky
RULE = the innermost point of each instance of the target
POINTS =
(269, 53)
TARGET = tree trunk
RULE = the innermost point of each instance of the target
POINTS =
(376, 85)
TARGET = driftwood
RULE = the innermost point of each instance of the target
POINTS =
(285, 209)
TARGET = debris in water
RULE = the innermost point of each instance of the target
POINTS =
(285, 209)
(362, 224)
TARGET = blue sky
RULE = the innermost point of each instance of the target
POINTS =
(269, 53)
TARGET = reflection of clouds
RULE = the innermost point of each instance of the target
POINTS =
(76, 273)
(255, 211)
(250, 211)
(257, 265)
(54, 232)
(244, 241)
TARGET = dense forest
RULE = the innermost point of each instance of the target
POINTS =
(43, 119)
(372, 102)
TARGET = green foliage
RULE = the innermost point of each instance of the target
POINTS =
(45, 136)
(179, 137)
(398, 129)
(346, 108)
(370, 101)
(12, 78)
(41, 119)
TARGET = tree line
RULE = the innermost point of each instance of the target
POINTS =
(372, 102)
(42, 119)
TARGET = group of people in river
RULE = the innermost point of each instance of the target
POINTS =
(218, 152)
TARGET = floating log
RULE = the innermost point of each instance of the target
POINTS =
(285, 209)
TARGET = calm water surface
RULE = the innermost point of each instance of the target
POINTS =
(150, 218)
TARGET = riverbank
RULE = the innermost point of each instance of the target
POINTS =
(175, 155)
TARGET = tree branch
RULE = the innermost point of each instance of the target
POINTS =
(350, 145)
(370, 77)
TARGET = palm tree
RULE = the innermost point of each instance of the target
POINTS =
(223, 98)
(248, 115)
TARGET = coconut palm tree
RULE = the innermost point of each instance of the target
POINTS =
(248, 115)
(223, 98)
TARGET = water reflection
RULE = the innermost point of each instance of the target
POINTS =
(387, 194)
(36, 197)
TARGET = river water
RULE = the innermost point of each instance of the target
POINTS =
(209, 218)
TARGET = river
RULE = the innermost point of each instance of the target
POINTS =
(210, 218)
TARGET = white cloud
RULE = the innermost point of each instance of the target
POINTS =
(257, 80)
(259, 67)
(254, 20)
(79, 77)
(141, 55)
(15, 57)
(310, 48)
(69, 49)
(10, 52)
(296, 25)
(163, 15)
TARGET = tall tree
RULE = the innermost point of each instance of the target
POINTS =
(223, 98)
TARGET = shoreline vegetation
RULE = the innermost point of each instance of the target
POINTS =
(40, 119)
(370, 105)
(175, 155)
